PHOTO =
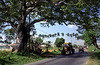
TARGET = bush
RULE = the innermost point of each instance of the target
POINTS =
(5, 54)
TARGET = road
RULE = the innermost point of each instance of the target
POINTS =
(75, 59)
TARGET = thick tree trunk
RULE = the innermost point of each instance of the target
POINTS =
(94, 42)
(22, 39)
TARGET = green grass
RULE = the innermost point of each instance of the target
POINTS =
(6, 58)
(94, 58)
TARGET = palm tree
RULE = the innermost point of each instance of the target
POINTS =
(58, 34)
(40, 35)
(62, 34)
(55, 34)
(68, 34)
(76, 35)
(73, 34)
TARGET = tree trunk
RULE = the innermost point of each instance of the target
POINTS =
(94, 42)
(22, 39)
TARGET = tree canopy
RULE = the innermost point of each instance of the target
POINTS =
(18, 13)
(59, 42)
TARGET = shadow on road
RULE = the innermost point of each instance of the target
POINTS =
(76, 55)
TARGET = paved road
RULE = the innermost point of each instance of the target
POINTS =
(75, 59)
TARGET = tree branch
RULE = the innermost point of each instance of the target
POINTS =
(3, 3)
(31, 7)
(65, 24)
(8, 21)
(36, 21)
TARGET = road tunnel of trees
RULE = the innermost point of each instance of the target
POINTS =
(18, 13)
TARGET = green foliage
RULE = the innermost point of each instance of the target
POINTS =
(5, 55)
(59, 42)
(88, 36)
(38, 40)
(94, 56)
(17, 58)
(22, 53)
(10, 35)
(16, 13)
(75, 46)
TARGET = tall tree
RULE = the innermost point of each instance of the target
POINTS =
(62, 34)
(59, 42)
(15, 13)
(48, 45)
(37, 42)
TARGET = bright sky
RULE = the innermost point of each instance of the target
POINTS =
(55, 29)
(61, 29)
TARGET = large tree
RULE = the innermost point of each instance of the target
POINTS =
(15, 13)
(84, 14)
(59, 42)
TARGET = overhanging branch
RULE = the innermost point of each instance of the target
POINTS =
(36, 21)
(8, 21)
(3, 3)
(65, 24)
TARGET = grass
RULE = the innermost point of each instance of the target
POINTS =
(94, 58)
(8, 58)
(17, 59)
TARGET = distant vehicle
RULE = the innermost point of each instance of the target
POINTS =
(67, 48)
(81, 49)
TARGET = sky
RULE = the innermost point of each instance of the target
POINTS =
(55, 29)
(61, 29)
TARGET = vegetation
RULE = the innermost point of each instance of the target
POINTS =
(75, 45)
(8, 58)
(48, 45)
(16, 14)
(59, 42)
(94, 56)
(21, 15)
(9, 35)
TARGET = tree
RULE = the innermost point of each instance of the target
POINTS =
(75, 46)
(48, 45)
(10, 35)
(62, 34)
(15, 13)
(59, 42)
(37, 43)
(85, 15)
(90, 31)
(58, 34)
(38, 40)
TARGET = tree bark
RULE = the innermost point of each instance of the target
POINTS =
(94, 42)
(23, 39)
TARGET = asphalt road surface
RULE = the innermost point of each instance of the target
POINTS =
(75, 59)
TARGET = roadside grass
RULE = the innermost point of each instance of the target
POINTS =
(8, 58)
(94, 56)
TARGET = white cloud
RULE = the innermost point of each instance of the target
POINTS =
(71, 26)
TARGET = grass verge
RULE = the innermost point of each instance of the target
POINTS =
(8, 58)
(94, 58)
